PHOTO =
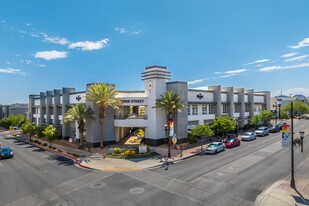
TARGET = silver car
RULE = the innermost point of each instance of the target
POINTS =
(262, 131)
(248, 136)
(214, 148)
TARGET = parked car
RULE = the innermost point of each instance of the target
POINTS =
(6, 152)
(248, 136)
(214, 148)
(280, 124)
(262, 131)
(274, 128)
(232, 142)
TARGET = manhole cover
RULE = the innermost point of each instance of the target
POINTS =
(64, 204)
(97, 185)
(137, 190)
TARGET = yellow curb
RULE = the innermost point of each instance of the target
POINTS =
(121, 169)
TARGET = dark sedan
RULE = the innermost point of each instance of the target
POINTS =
(6, 152)
(274, 129)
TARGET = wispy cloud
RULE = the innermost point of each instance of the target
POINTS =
(293, 91)
(227, 75)
(137, 32)
(56, 40)
(289, 55)
(273, 68)
(230, 73)
(121, 30)
(50, 55)
(201, 88)
(10, 71)
(89, 45)
(197, 81)
(258, 61)
(303, 43)
(299, 58)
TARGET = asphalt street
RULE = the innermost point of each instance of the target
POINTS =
(234, 177)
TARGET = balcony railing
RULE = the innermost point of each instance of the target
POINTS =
(131, 116)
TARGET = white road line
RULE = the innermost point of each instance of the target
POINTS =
(1, 165)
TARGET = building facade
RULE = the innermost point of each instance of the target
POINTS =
(7, 110)
(137, 109)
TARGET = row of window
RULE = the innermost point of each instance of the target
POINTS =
(209, 108)
(206, 109)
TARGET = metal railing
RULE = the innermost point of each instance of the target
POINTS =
(130, 116)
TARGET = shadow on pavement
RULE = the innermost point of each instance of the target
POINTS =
(300, 199)
(61, 160)
(38, 150)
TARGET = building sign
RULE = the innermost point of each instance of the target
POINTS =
(200, 96)
(286, 136)
(142, 149)
(78, 98)
(132, 101)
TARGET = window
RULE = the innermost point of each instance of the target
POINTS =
(211, 109)
(189, 113)
(247, 108)
(204, 109)
(237, 108)
(194, 109)
(224, 108)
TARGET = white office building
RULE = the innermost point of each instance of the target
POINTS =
(137, 109)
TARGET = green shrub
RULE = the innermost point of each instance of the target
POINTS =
(39, 131)
(192, 139)
(117, 150)
(11, 127)
(59, 150)
(44, 144)
(136, 150)
(148, 150)
(76, 155)
(49, 147)
(54, 147)
(128, 152)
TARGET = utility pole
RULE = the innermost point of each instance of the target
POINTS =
(292, 150)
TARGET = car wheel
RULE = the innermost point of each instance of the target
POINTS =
(215, 152)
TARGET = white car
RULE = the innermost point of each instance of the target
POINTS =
(248, 136)
(214, 148)
(262, 131)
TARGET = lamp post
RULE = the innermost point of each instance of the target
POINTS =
(166, 129)
(292, 150)
(302, 135)
(276, 106)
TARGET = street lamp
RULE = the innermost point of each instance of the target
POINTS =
(276, 106)
(292, 150)
(166, 129)
(302, 135)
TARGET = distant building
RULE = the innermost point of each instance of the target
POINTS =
(137, 109)
(7, 110)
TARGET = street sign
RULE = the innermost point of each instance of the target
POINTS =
(286, 136)
(174, 140)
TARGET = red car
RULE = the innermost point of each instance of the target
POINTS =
(229, 143)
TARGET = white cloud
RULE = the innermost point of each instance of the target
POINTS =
(289, 55)
(230, 73)
(201, 88)
(49, 55)
(136, 32)
(89, 45)
(56, 40)
(8, 63)
(197, 81)
(293, 91)
(121, 30)
(301, 44)
(227, 75)
(299, 58)
(258, 61)
(10, 71)
(273, 68)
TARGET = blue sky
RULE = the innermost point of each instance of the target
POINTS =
(46, 45)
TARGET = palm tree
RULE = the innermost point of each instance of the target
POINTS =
(170, 102)
(79, 113)
(103, 95)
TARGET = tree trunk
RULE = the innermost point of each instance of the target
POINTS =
(102, 114)
(81, 137)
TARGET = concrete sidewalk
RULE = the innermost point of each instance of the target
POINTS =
(280, 193)
(97, 161)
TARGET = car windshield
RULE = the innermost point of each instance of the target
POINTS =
(248, 133)
(229, 140)
(5, 150)
(212, 145)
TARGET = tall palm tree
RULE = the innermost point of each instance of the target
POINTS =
(79, 113)
(171, 103)
(103, 95)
